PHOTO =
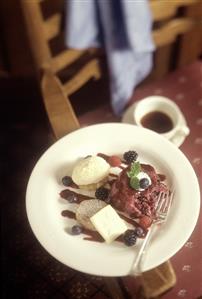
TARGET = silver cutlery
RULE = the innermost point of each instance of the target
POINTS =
(162, 208)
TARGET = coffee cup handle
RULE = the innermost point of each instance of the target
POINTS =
(184, 130)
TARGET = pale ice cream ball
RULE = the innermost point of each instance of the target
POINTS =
(90, 170)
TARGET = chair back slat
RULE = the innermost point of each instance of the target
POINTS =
(168, 33)
(190, 50)
(163, 10)
(79, 79)
(65, 58)
(52, 26)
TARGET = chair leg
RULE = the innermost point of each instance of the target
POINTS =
(158, 280)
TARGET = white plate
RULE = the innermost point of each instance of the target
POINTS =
(44, 205)
(127, 118)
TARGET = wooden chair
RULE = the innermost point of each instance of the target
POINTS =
(168, 26)
(173, 22)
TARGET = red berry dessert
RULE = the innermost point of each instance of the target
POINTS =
(132, 192)
(136, 202)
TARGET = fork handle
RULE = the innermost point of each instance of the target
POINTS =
(136, 267)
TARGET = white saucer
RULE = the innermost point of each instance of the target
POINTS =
(178, 139)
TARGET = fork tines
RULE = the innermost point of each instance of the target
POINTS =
(163, 204)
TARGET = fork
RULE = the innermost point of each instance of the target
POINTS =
(162, 208)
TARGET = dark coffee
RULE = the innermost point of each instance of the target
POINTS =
(157, 121)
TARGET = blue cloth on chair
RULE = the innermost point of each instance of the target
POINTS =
(123, 27)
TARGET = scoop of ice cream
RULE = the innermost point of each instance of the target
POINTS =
(90, 170)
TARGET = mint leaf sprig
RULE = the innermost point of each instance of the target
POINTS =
(134, 169)
(132, 174)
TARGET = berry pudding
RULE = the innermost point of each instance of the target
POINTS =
(121, 200)
(136, 197)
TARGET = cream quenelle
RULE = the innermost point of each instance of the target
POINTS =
(90, 170)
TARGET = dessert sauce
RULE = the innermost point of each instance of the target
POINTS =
(78, 198)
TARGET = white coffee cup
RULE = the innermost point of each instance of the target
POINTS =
(167, 112)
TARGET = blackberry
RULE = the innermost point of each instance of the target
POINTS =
(102, 193)
(130, 237)
(130, 156)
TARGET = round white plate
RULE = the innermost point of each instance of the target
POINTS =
(44, 204)
(127, 118)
